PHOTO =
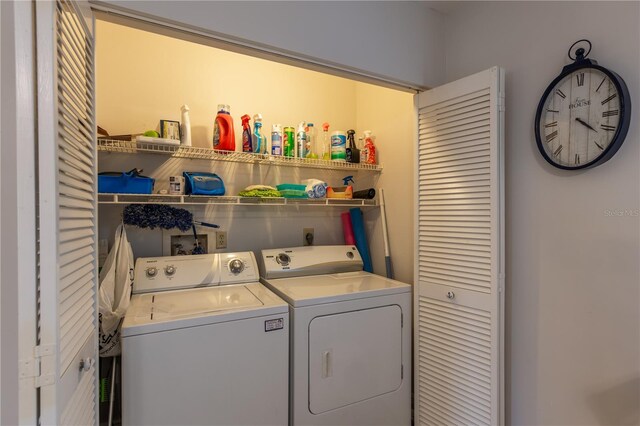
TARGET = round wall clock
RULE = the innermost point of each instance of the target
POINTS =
(584, 115)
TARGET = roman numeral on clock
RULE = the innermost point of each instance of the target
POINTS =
(552, 110)
(552, 124)
(600, 85)
(551, 136)
(599, 146)
(560, 93)
(609, 98)
(580, 78)
(557, 152)
(610, 113)
(577, 159)
(607, 127)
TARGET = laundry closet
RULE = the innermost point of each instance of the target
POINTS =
(143, 77)
(439, 163)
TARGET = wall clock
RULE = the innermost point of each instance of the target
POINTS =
(584, 114)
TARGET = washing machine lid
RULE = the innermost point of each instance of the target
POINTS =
(170, 310)
(318, 289)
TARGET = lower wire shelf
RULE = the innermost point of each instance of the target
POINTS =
(229, 200)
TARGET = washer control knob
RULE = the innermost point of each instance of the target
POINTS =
(236, 266)
(152, 271)
(170, 270)
(350, 254)
(283, 259)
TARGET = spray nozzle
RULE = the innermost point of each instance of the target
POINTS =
(325, 127)
(245, 119)
(346, 180)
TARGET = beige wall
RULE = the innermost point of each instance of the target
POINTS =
(390, 114)
(143, 77)
(573, 274)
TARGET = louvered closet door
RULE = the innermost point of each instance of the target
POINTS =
(67, 213)
(459, 253)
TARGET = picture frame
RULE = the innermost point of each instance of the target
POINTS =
(170, 129)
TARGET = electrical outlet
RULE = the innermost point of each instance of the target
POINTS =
(307, 236)
(221, 239)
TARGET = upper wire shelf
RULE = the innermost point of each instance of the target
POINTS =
(180, 151)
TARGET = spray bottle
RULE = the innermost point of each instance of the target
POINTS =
(276, 139)
(301, 141)
(368, 155)
(326, 142)
(185, 126)
(259, 141)
(247, 146)
(312, 142)
(352, 152)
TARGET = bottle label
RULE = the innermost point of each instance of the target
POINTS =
(338, 147)
(276, 144)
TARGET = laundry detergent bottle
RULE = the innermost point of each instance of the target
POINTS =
(224, 137)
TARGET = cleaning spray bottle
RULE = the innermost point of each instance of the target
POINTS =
(276, 139)
(326, 142)
(185, 126)
(301, 140)
(247, 146)
(352, 151)
(368, 155)
(224, 138)
(312, 142)
(259, 142)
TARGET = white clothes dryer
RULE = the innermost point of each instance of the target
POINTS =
(350, 337)
(204, 343)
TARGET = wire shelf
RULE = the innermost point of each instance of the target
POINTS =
(229, 200)
(179, 151)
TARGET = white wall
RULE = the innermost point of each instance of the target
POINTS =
(573, 280)
(400, 41)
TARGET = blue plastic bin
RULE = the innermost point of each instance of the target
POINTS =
(125, 183)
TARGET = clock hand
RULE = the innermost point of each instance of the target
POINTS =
(579, 120)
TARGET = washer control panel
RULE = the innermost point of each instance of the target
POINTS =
(238, 268)
(309, 260)
(180, 272)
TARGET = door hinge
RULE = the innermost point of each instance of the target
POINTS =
(401, 320)
(401, 371)
(32, 367)
(501, 101)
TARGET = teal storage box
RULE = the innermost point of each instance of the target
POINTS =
(130, 182)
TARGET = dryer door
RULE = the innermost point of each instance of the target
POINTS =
(354, 356)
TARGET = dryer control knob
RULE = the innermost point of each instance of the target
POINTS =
(236, 266)
(170, 270)
(152, 271)
(283, 259)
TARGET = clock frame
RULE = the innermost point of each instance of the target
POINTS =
(581, 63)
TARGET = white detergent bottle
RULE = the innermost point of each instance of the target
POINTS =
(185, 127)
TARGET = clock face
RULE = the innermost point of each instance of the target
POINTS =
(579, 118)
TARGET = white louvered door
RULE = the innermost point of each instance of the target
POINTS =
(459, 267)
(67, 214)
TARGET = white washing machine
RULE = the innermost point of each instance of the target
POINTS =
(350, 337)
(204, 343)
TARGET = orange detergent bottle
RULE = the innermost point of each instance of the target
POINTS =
(224, 137)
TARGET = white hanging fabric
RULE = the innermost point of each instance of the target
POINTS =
(116, 279)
